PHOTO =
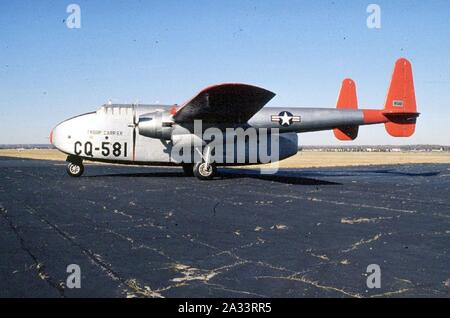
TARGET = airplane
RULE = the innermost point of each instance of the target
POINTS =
(148, 134)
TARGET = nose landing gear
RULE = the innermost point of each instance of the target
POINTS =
(75, 166)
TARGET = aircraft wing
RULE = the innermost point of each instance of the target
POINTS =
(224, 103)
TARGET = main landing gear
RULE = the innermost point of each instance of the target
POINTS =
(200, 170)
(203, 170)
(75, 166)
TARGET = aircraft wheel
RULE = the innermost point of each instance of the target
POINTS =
(75, 169)
(188, 170)
(204, 172)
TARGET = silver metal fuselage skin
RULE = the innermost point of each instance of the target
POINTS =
(107, 134)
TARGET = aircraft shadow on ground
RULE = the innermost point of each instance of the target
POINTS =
(296, 177)
(351, 173)
(290, 178)
(281, 178)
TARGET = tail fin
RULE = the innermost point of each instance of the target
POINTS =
(400, 107)
(347, 100)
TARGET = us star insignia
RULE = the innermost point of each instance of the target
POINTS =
(285, 118)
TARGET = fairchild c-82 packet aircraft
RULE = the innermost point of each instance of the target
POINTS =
(148, 134)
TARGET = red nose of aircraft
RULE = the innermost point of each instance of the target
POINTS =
(59, 135)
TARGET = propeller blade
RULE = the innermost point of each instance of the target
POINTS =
(134, 132)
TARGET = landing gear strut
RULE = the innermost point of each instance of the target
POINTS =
(205, 170)
(75, 166)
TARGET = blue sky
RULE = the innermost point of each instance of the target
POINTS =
(166, 51)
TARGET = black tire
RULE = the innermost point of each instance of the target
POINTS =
(75, 169)
(188, 170)
(204, 174)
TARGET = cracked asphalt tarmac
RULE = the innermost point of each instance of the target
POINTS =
(151, 232)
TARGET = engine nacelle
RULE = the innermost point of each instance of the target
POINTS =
(155, 125)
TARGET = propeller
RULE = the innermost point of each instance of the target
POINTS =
(134, 125)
